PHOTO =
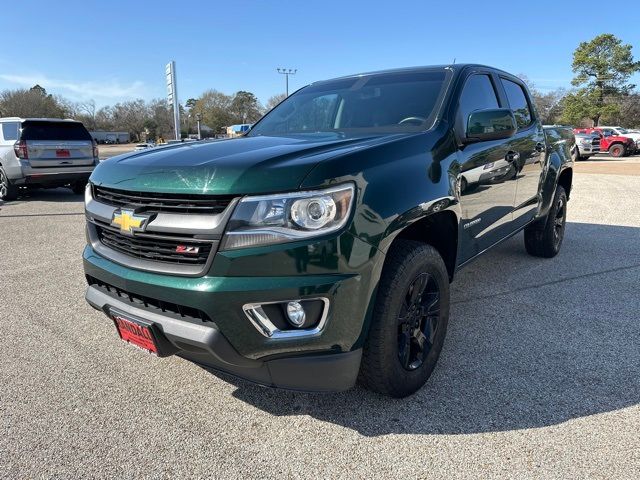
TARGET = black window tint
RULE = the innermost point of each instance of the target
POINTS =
(478, 94)
(517, 102)
(10, 131)
(36, 130)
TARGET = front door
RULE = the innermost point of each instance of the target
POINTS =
(487, 176)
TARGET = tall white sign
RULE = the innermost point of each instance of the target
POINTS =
(172, 95)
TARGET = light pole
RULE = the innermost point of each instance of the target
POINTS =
(286, 72)
(198, 118)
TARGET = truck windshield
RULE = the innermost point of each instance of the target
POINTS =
(379, 103)
(622, 131)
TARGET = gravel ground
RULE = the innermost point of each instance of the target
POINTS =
(538, 377)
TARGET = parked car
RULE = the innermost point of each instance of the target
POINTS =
(319, 247)
(588, 145)
(44, 153)
(143, 146)
(622, 132)
(617, 146)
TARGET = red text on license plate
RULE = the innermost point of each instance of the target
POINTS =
(135, 333)
(62, 153)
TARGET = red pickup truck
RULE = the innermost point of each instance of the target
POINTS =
(617, 146)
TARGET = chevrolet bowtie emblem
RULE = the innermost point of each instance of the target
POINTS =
(129, 222)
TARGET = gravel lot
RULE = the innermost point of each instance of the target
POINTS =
(539, 375)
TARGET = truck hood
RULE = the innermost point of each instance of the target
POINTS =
(236, 166)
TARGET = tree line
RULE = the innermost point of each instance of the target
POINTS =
(150, 119)
(601, 94)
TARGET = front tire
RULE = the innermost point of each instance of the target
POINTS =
(8, 191)
(617, 150)
(544, 238)
(409, 321)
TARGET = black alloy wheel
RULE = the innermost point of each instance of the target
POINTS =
(544, 237)
(559, 220)
(418, 321)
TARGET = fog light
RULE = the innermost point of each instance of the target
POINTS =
(295, 313)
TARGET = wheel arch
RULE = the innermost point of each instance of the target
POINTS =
(565, 180)
(438, 229)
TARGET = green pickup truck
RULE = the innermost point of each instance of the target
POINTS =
(317, 249)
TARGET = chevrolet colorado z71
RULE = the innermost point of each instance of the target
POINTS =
(318, 248)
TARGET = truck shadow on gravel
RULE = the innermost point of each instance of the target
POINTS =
(53, 195)
(531, 343)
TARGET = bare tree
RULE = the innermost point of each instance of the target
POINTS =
(31, 103)
(275, 100)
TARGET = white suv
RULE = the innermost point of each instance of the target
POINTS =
(44, 153)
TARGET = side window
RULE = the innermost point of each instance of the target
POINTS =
(518, 103)
(478, 94)
(10, 131)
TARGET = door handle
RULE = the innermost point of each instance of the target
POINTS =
(512, 156)
(540, 147)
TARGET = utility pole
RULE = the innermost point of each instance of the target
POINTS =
(286, 72)
(172, 95)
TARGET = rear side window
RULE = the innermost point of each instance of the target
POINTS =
(10, 131)
(518, 103)
(478, 94)
(35, 130)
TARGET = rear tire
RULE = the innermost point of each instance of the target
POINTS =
(544, 238)
(409, 321)
(617, 150)
(8, 191)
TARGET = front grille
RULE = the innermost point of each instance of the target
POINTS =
(152, 304)
(161, 248)
(162, 202)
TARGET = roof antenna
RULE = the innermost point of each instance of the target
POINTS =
(454, 60)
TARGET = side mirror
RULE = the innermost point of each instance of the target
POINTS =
(493, 124)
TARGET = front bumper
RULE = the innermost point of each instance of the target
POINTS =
(207, 346)
(588, 150)
(328, 360)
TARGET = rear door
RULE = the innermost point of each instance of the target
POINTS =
(528, 149)
(57, 144)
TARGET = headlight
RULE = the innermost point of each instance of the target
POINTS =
(87, 193)
(585, 142)
(269, 219)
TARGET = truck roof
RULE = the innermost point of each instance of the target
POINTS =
(35, 119)
(452, 67)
